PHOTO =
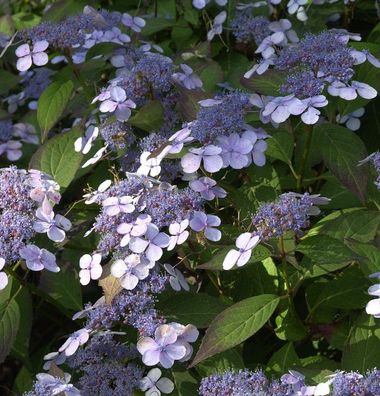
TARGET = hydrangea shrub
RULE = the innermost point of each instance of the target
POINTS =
(189, 198)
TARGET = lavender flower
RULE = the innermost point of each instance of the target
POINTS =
(76, 339)
(177, 280)
(210, 155)
(235, 150)
(37, 259)
(207, 188)
(135, 229)
(54, 225)
(28, 56)
(352, 120)
(90, 268)
(153, 384)
(163, 349)
(206, 223)
(373, 306)
(47, 384)
(188, 78)
(178, 233)
(217, 26)
(135, 23)
(245, 243)
(117, 103)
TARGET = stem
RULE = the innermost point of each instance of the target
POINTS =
(305, 156)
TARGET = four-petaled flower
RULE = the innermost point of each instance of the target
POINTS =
(177, 280)
(130, 270)
(37, 259)
(135, 23)
(54, 225)
(178, 233)
(235, 150)
(210, 155)
(76, 339)
(135, 229)
(153, 384)
(217, 26)
(115, 205)
(245, 243)
(188, 78)
(117, 103)
(27, 56)
(152, 244)
(90, 268)
(163, 349)
(207, 188)
(149, 166)
(204, 222)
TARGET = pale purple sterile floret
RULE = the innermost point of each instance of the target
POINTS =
(217, 26)
(153, 384)
(115, 205)
(84, 144)
(54, 225)
(117, 103)
(151, 244)
(280, 108)
(284, 26)
(178, 233)
(235, 150)
(177, 280)
(187, 78)
(166, 347)
(257, 137)
(75, 340)
(90, 268)
(134, 229)
(200, 4)
(28, 56)
(210, 155)
(351, 92)
(131, 270)
(186, 335)
(93, 196)
(37, 259)
(311, 114)
(208, 188)
(267, 46)
(149, 165)
(245, 243)
(351, 120)
(202, 222)
(12, 149)
(135, 23)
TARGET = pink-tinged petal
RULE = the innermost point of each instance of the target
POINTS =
(191, 162)
(40, 58)
(230, 259)
(84, 277)
(24, 63)
(129, 281)
(165, 335)
(212, 163)
(3, 280)
(175, 351)
(22, 50)
(55, 234)
(40, 46)
(145, 344)
(212, 234)
(108, 106)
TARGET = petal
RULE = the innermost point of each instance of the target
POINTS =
(373, 307)
(212, 163)
(55, 234)
(175, 351)
(230, 259)
(161, 239)
(138, 245)
(40, 58)
(165, 335)
(165, 385)
(84, 277)
(151, 357)
(145, 344)
(212, 234)
(24, 63)
(108, 106)
(153, 252)
(22, 50)
(40, 46)
(3, 280)
(191, 162)
(118, 268)
(129, 281)
(96, 271)
(311, 116)
(244, 258)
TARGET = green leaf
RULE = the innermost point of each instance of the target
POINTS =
(290, 326)
(11, 299)
(155, 25)
(280, 146)
(324, 250)
(362, 350)
(235, 325)
(268, 83)
(198, 309)
(371, 264)
(101, 49)
(57, 157)
(51, 105)
(358, 224)
(64, 287)
(149, 117)
(185, 383)
(220, 363)
(342, 149)
(284, 359)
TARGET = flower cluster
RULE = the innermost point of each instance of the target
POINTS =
(245, 382)
(291, 212)
(26, 207)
